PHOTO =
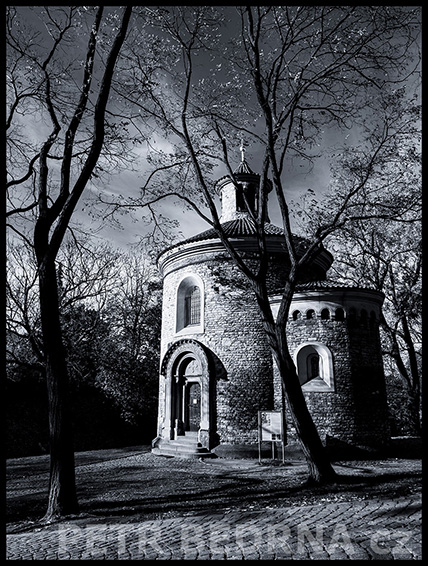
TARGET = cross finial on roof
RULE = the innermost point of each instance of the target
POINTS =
(242, 148)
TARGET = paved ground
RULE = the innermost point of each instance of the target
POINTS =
(168, 509)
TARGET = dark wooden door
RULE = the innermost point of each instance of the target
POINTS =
(194, 406)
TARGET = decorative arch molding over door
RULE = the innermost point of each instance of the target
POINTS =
(314, 364)
(186, 370)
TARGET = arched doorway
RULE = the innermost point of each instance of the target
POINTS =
(186, 393)
(187, 403)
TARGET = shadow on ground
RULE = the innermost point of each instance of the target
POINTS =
(132, 483)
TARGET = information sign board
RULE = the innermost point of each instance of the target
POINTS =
(271, 429)
(271, 425)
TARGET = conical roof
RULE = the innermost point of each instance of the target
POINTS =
(242, 227)
(243, 167)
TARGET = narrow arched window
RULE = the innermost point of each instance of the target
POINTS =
(325, 314)
(310, 314)
(240, 201)
(314, 366)
(192, 306)
(297, 315)
(340, 315)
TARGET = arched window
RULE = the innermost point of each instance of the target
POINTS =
(245, 190)
(325, 314)
(240, 202)
(314, 365)
(352, 316)
(340, 315)
(372, 320)
(297, 315)
(190, 305)
(310, 314)
(363, 317)
(313, 362)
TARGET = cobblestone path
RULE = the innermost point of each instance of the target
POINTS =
(361, 530)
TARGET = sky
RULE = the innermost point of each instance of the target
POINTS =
(128, 181)
(190, 223)
(298, 178)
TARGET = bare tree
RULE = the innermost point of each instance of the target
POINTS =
(382, 246)
(22, 307)
(387, 256)
(42, 80)
(288, 74)
(88, 274)
(109, 302)
(128, 370)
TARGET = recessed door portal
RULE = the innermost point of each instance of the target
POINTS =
(188, 395)
(193, 398)
(187, 392)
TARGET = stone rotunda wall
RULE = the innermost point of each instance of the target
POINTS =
(233, 334)
(341, 326)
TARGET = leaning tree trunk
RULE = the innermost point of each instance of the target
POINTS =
(62, 487)
(320, 468)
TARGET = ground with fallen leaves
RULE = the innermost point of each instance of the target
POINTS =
(132, 483)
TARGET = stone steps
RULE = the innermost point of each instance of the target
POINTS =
(186, 446)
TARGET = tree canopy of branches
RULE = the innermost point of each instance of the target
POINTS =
(379, 242)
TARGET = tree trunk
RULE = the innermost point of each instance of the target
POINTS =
(320, 468)
(414, 381)
(410, 380)
(62, 487)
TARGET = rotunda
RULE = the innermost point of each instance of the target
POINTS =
(217, 371)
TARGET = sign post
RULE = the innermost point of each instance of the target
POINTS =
(271, 429)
